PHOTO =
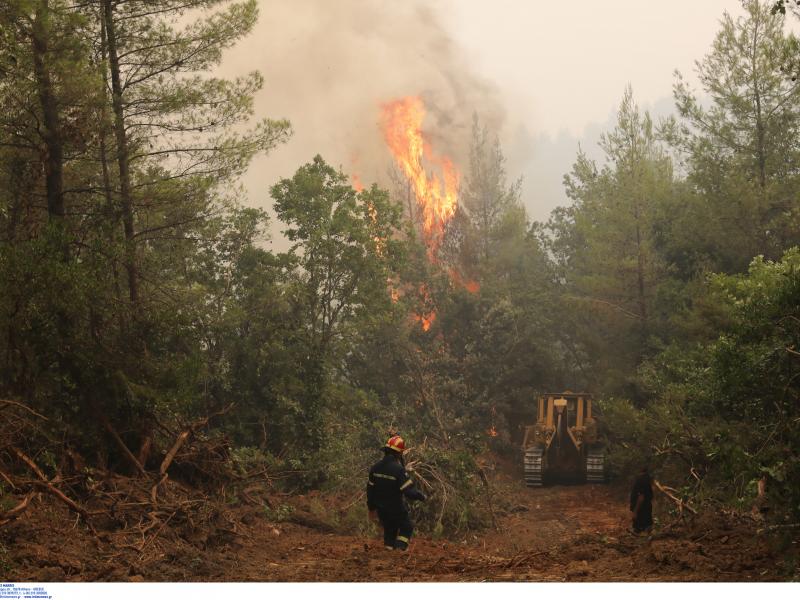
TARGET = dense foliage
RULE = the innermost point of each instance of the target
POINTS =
(138, 293)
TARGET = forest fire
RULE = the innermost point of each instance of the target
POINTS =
(436, 197)
(427, 318)
(472, 286)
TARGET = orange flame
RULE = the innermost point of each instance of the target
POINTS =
(436, 195)
(357, 185)
(472, 286)
(402, 129)
(425, 318)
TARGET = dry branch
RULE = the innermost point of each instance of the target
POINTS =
(157, 533)
(29, 462)
(11, 514)
(522, 557)
(49, 487)
(144, 450)
(179, 442)
(8, 480)
(154, 489)
(184, 435)
(20, 405)
(680, 503)
(122, 446)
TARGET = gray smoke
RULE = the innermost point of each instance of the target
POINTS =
(329, 64)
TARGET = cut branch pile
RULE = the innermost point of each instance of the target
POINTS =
(131, 512)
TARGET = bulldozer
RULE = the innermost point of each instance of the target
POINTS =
(563, 443)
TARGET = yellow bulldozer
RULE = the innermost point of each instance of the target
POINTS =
(563, 443)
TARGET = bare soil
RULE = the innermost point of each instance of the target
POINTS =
(558, 533)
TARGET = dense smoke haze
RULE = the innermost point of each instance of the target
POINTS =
(328, 66)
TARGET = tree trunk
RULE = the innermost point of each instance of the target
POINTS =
(640, 272)
(51, 130)
(112, 214)
(761, 156)
(123, 154)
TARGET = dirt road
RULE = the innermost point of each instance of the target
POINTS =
(562, 533)
(573, 533)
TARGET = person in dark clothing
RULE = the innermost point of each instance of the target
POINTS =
(388, 484)
(642, 502)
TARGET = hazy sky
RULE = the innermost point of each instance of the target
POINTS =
(544, 75)
(564, 65)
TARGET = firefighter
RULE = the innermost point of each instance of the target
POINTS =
(388, 483)
(641, 501)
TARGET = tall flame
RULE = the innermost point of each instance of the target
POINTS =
(437, 198)
(436, 194)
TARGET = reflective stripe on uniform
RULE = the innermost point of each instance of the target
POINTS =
(370, 483)
(402, 538)
(382, 476)
(406, 484)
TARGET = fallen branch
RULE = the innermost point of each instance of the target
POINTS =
(8, 480)
(11, 514)
(681, 504)
(64, 498)
(144, 450)
(20, 405)
(179, 442)
(184, 435)
(49, 487)
(154, 489)
(124, 447)
(29, 462)
(520, 558)
(157, 533)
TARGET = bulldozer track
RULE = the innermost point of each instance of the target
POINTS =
(533, 459)
(595, 466)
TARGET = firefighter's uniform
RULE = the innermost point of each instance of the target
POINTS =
(388, 483)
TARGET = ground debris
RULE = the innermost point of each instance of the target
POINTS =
(577, 533)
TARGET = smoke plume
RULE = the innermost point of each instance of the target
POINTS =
(328, 67)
